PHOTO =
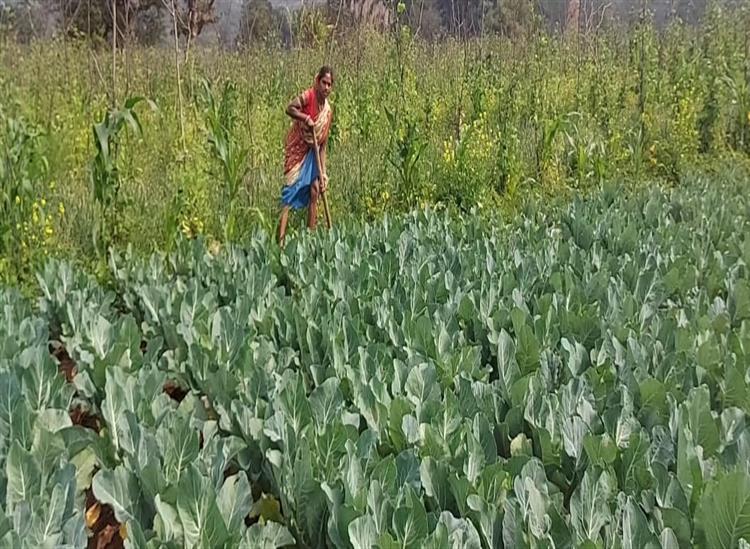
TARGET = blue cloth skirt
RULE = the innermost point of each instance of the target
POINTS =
(297, 195)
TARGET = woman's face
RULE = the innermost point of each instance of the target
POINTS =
(325, 85)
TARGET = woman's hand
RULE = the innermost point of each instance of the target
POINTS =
(323, 183)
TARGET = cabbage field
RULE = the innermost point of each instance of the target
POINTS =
(576, 376)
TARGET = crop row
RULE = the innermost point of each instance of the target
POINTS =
(573, 377)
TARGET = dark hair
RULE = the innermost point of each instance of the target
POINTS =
(325, 69)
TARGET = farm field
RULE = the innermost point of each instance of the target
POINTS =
(459, 125)
(528, 328)
(573, 376)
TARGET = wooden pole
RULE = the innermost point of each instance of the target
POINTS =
(114, 54)
(320, 174)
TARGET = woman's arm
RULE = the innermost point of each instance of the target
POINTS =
(294, 109)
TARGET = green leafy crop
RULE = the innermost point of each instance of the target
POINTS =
(575, 377)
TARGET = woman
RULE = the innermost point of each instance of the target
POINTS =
(303, 184)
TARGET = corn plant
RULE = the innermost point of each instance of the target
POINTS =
(230, 157)
(546, 132)
(105, 172)
(23, 167)
(739, 92)
(585, 154)
(404, 155)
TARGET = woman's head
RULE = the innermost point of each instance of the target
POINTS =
(324, 81)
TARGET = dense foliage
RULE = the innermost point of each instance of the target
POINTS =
(479, 123)
(577, 376)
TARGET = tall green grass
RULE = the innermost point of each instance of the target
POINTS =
(475, 125)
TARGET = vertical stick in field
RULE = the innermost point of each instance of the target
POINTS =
(177, 75)
(114, 53)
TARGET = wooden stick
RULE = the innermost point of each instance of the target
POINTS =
(320, 174)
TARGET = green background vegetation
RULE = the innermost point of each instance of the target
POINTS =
(472, 123)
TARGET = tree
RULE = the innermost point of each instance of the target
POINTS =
(195, 14)
(137, 20)
(463, 17)
(27, 19)
(512, 18)
(259, 23)
(122, 15)
(7, 19)
(425, 18)
(572, 15)
(346, 14)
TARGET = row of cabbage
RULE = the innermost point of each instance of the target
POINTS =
(575, 377)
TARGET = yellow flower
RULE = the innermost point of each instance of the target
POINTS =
(18, 199)
(44, 202)
(61, 208)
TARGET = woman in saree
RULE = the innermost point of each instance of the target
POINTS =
(302, 182)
